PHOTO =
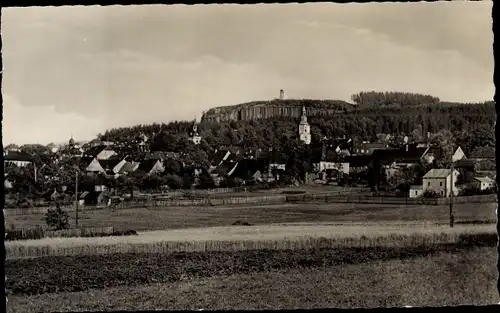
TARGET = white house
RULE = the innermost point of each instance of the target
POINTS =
(440, 181)
(416, 191)
(483, 183)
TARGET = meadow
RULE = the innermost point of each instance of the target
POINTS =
(460, 277)
(292, 256)
(161, 218)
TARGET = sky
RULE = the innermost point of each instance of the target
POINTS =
(79, 70)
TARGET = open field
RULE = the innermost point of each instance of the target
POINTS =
(258, 280)
(238, 238)
(141, 219)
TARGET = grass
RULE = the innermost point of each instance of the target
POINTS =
(248, 238)
(463, 277)
(193, 217)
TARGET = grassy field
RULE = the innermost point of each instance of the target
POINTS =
(188, 217)
(237, 238)
(321, 279)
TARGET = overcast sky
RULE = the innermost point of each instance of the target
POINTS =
(82, 70)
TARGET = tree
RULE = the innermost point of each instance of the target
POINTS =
(57, 219)
(174, 181)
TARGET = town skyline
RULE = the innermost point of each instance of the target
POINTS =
(174, 62)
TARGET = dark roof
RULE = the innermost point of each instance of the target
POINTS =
(110, 163)
(387, 156)
(465, 164)
(147, 165)
(94, 151)
(17, 156)
(218, 156)
(224, 168)
(358, 160)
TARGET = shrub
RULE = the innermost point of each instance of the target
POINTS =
(57, 219)
(430, 194)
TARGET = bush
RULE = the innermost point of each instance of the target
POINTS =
(57, 219)
(430, 194)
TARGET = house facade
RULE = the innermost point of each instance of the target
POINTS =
(18, 158)
(440, 181)
(483, 183)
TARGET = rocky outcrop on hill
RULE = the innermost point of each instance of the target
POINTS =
(276, 108)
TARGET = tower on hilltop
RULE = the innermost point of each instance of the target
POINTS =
(304, 128)
(194, 136)
(282, 94)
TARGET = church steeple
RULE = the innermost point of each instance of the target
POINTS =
(195, 137)
(304, 128)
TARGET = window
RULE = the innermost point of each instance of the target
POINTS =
(440, 184)
(428, 184)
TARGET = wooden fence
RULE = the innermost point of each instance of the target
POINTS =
(387, 200)
(332, 197)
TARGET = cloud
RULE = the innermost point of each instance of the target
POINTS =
(118, 66)
(24, 125)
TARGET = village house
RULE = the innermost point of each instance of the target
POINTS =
(440, 181)
(151, 167)
(16, 157)
(433, 153)
(483, 183)
(415, 191)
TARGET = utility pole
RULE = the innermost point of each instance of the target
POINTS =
(451, 193)
(76, 199)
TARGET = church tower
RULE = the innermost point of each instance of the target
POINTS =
(304, 128)
(282, 94)
(194, 136)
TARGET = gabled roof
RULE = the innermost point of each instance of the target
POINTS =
(438, 173)
(225, 169)
(147, 165)
(218, 157)
(484, 180)
(110, 163)
(94, 151)
(126, 168)
(17, 156)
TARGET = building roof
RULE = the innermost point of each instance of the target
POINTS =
(147, 165)
(110, 163)
(218, 157)
(225, 169)
(438, 173)
(358, 160)
(386, 156)
(371, 145)
(94, 151)
(485, 179)
(17, 156)
(83, 195)
(465, 163)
